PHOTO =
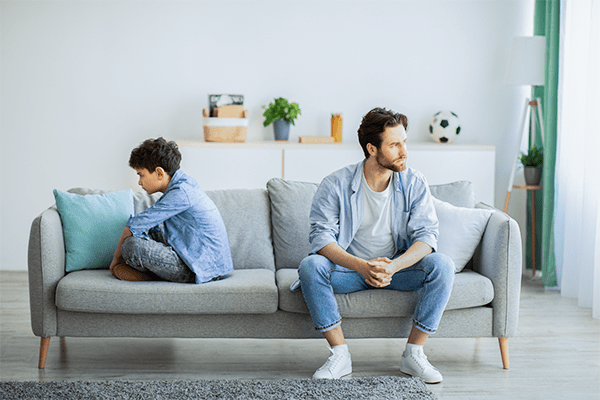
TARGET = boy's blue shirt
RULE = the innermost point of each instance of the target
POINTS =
(193, 226)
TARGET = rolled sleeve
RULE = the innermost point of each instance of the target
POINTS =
(134, 228)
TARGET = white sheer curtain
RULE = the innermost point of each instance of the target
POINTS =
(577, 205)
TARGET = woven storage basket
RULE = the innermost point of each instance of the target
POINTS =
(225, 129)
(225, 133)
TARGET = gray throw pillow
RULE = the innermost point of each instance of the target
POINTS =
(245, 213)
(290, 209)
(459, 193)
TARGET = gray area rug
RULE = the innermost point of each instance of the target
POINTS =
(387, 387)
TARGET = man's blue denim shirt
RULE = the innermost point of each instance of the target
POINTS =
(193, 226)
(337, 209)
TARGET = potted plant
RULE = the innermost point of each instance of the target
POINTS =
(532, 163)
(281, 113)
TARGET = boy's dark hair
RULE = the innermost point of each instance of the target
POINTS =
(374, 123)
(154, 153)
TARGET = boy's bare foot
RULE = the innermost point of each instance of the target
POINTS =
(125, 273)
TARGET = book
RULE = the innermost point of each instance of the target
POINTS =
(316, 139)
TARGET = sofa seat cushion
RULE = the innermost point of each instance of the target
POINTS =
(470, 290)
(250, 291)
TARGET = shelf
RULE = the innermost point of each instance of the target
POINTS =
(528, 187)
(429, 146)
(272, 144)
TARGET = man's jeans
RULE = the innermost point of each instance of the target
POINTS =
(432, 277)
(156, 256)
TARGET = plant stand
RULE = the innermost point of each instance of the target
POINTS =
(532, 107)
(533, 226)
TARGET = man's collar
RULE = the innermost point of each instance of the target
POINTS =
(356, 181)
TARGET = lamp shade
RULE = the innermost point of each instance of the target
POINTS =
(527, 61)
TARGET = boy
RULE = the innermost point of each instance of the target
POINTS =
(192, 244)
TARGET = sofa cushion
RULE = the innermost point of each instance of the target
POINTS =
(241, 292)
(92, 226)
(459, 193)
(470, 290)
(461, 230)
(290, 209)
(247, 217)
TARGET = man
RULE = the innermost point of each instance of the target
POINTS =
(180, 238)
(374, 226)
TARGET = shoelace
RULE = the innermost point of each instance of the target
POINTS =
(332, 361)
(421, 360)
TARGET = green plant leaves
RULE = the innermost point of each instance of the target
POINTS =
(280, 108)
(533, 158)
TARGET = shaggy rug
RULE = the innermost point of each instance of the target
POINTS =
(356, 388)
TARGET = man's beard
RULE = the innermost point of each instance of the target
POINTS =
(390, 165)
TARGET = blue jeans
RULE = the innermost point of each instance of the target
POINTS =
(433, 277)
(154, 255)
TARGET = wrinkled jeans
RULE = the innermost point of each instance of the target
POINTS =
(432, 277)
(154, 255)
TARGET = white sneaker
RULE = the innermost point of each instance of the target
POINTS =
(337, 365)
(414, 363)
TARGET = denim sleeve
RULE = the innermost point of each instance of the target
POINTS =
(173, 202)
(324, 217)
(423, 222)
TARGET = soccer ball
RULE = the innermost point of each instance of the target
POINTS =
(444, 127)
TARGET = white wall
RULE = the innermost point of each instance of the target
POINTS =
(83, 82)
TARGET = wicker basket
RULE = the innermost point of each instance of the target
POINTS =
(225, 133)
(225, 129)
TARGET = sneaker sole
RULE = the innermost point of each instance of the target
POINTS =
(343, 374)
(429, 382)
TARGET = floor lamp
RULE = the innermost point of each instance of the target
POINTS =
(526, 67)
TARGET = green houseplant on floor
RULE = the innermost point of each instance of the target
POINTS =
(281, 113)
(532, 163)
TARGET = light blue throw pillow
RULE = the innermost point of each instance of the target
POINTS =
(92, 226)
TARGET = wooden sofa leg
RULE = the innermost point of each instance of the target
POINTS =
(504, 351)
(44, 344)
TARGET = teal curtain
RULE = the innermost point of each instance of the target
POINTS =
(546, 23)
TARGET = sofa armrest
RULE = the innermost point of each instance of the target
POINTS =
(499, 257)
(46, 265)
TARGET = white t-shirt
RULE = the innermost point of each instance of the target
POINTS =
(374, 236)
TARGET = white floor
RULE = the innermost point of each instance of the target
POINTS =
(556, 354)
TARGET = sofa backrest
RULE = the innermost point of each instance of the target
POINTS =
(290, 210)
(270, 228)
(247, 217)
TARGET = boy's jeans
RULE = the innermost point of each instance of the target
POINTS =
(156, 256)
(432, 277)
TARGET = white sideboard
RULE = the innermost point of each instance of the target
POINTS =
(250, 165)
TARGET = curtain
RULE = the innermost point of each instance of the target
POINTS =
(547, 23)
(577, 207)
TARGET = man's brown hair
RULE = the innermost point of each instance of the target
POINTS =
(374, 123)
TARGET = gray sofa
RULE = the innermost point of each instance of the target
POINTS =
(268, 234)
